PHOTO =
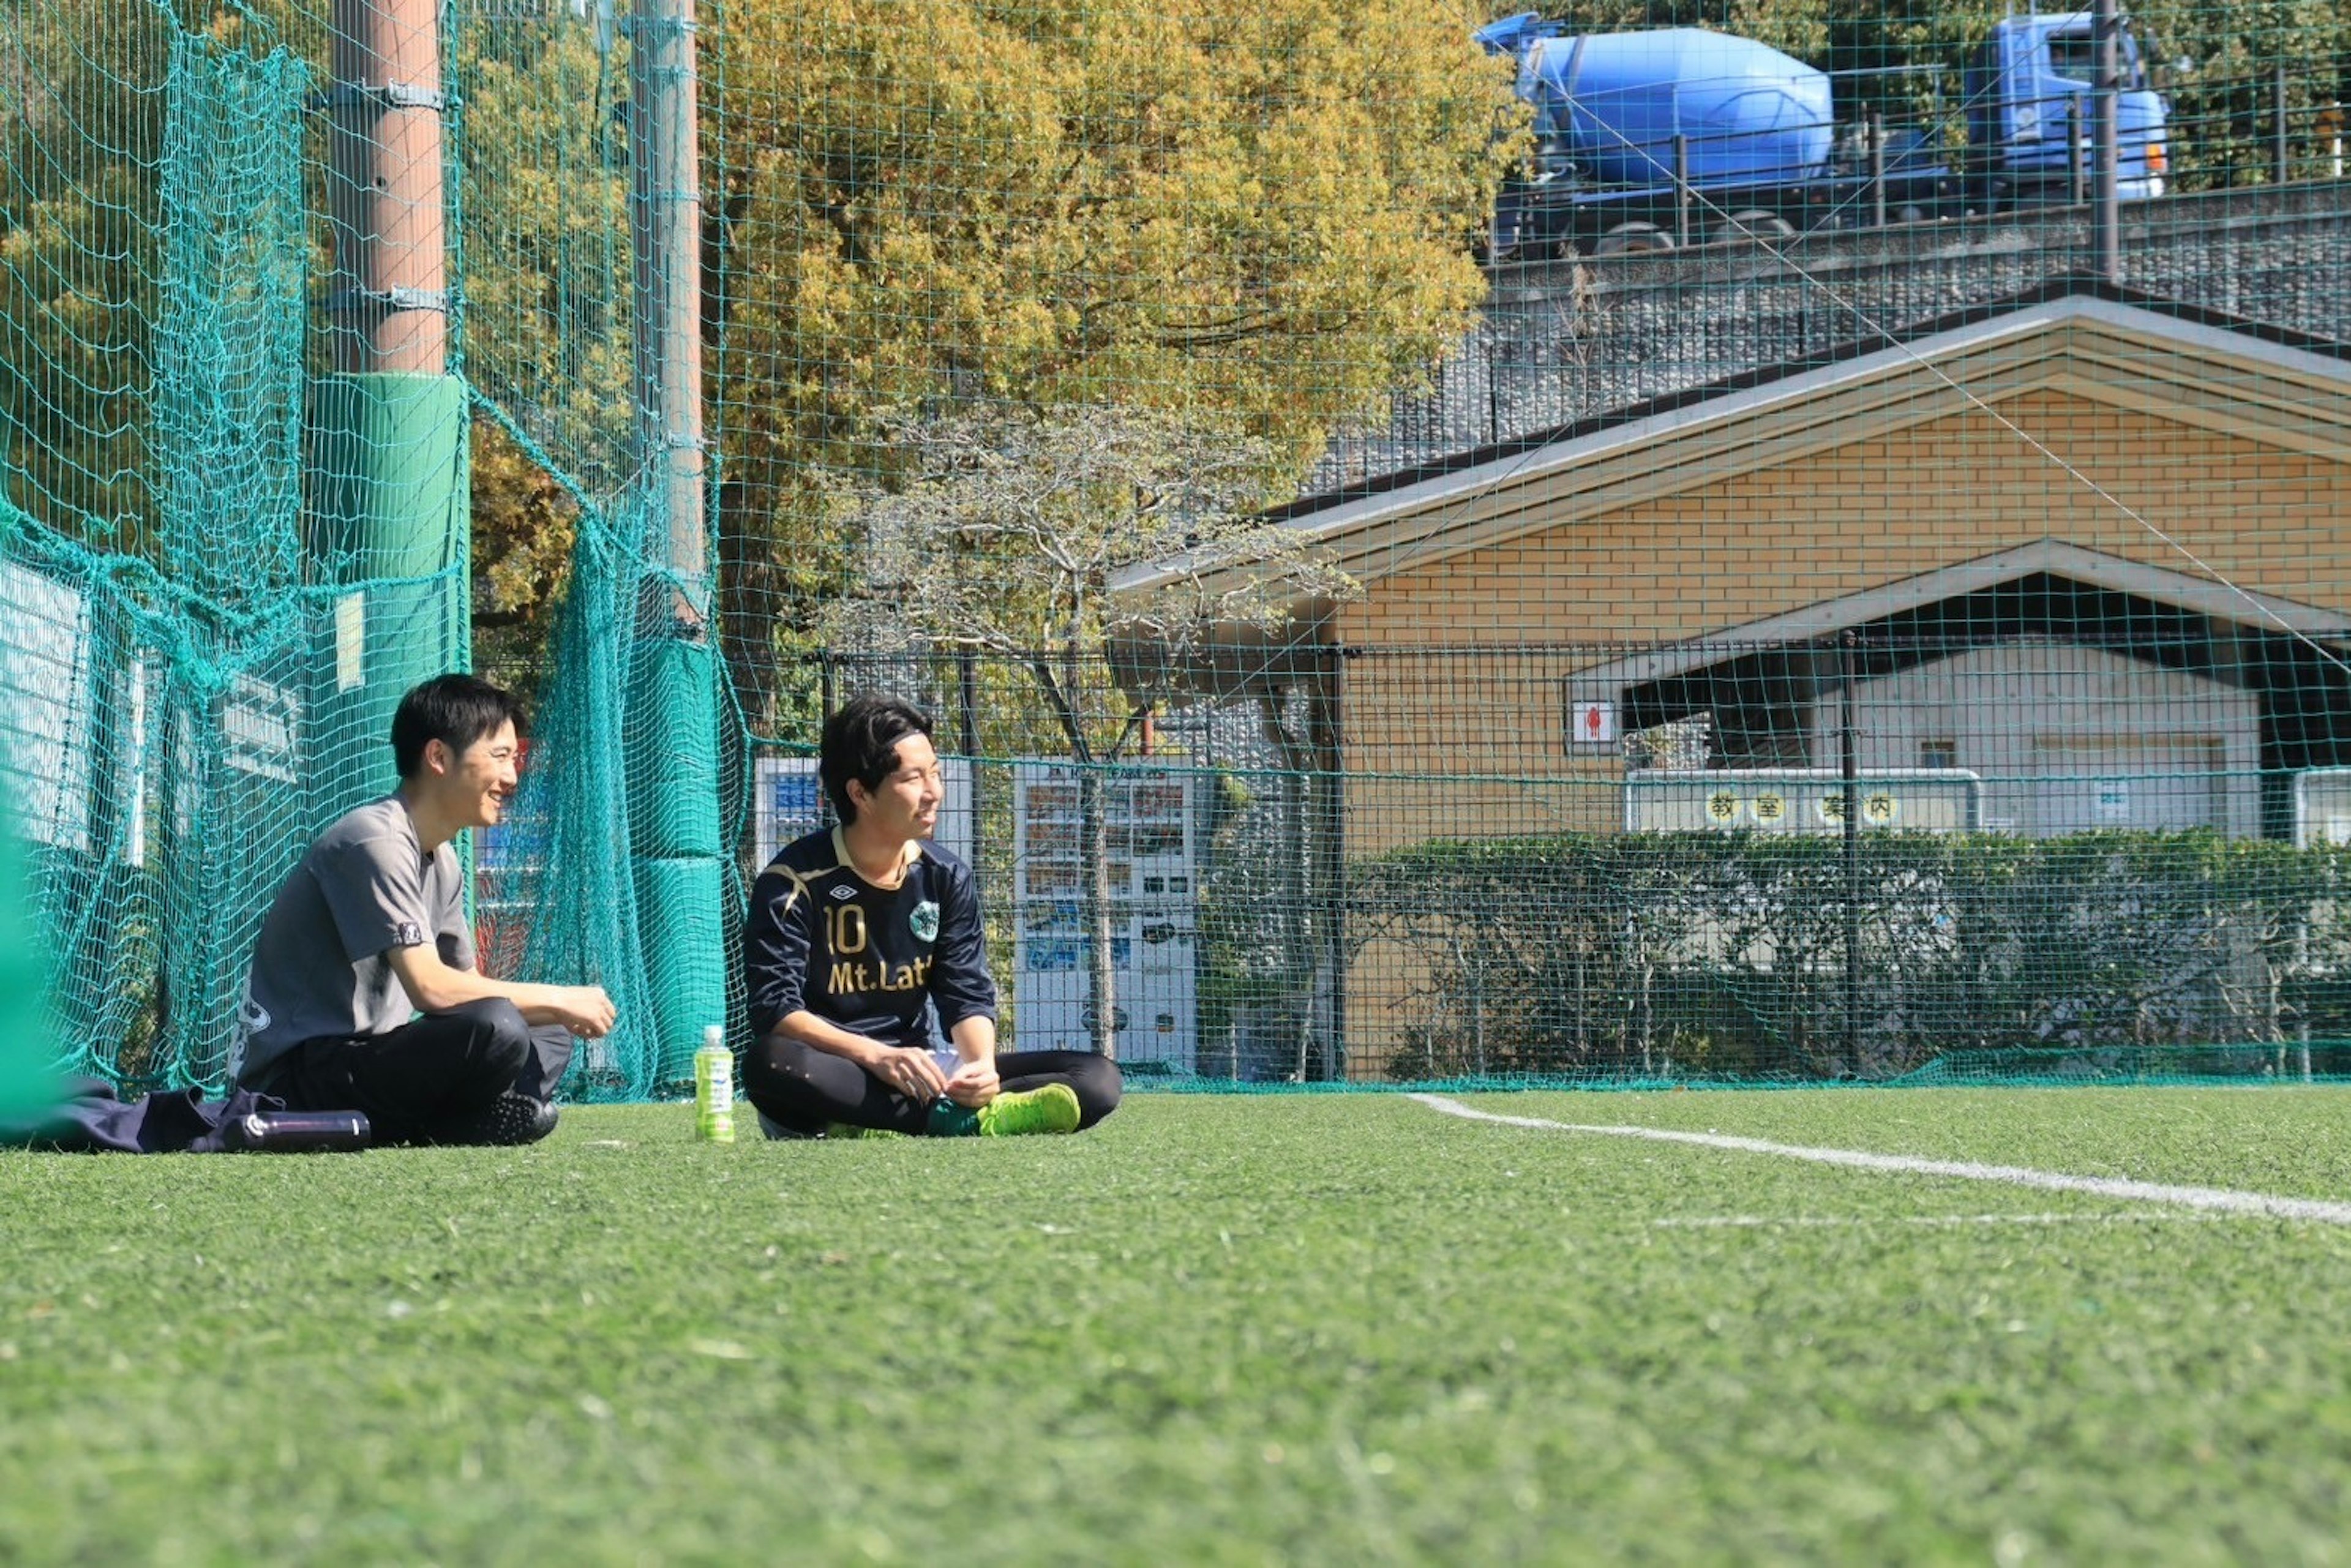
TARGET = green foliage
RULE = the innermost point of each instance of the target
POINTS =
(525, 526)
(544, 167)
(1717, 954)
(1254, 212)
(1175, 198)
(2222, 66)
(1800, 27)
(77, 267)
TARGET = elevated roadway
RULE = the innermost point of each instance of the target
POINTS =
(1566, 341)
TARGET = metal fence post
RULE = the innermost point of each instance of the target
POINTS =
(1849, 765)
(2282, 159)
(2105, 221)
(1681, 191)
(1877, 168)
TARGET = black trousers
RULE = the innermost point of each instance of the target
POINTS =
(421, 1081)
(805, 1089)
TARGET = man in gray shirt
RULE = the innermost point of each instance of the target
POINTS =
(363, 994)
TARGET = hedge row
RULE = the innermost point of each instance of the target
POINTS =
(1727, 953)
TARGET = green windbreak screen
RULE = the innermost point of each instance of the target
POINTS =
(1645, 542)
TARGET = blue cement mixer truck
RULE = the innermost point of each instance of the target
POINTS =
(1645, 140)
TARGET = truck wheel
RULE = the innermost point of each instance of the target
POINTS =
(1755, 222)
(1632, 239)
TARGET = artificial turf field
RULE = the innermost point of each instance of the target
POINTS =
(1285, 1328)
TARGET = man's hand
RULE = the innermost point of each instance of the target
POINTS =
(975, 1083)
(434, 986)
(910, 1071)
(585, 1010)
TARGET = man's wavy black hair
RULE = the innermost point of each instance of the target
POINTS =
(455, 710)
(860, 742)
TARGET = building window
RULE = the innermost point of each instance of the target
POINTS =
(1939, 754)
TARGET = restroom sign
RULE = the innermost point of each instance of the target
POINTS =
(1592, 723)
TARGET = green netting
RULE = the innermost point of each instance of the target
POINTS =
(2203, 1066)
(579, 231)
(1428, 571)
(196, 637)
(26, 1082)
(605, 878)
(226, 411)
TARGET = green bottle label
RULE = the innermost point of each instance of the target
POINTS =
(713, 1095)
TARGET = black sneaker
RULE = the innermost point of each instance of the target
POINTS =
(786, 1132)
(511, 1118)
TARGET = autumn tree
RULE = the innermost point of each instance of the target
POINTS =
(525, 526)
(1039, 535)
(1261, 209)
(543, 161)
(78, 159)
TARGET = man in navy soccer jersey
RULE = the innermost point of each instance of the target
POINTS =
(864, 944)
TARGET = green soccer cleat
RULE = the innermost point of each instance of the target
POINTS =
(1052, 1109)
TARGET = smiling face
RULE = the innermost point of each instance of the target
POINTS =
(905, 804)
(473, 786)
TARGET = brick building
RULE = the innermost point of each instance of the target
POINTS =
(2082, 538)
(2161, 493)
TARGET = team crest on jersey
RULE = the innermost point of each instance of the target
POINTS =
(924, 920)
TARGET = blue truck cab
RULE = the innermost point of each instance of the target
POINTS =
(2031, 83)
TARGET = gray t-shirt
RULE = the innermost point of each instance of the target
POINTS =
(320, 967)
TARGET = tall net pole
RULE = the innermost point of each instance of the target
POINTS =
(666, 213)
(388, 499)
(672, 741)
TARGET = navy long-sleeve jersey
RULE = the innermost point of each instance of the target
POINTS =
(893, 964)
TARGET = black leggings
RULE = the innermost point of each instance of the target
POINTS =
(804, 1089)
(432, 1073)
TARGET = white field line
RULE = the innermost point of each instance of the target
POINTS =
(1826, 1221)
(2225, 1201)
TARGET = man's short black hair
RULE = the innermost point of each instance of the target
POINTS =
(860, 742)
(455, 710)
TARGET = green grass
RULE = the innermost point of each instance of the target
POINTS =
(1301, 1329)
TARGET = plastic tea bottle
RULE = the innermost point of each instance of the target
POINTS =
(713, 1088)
